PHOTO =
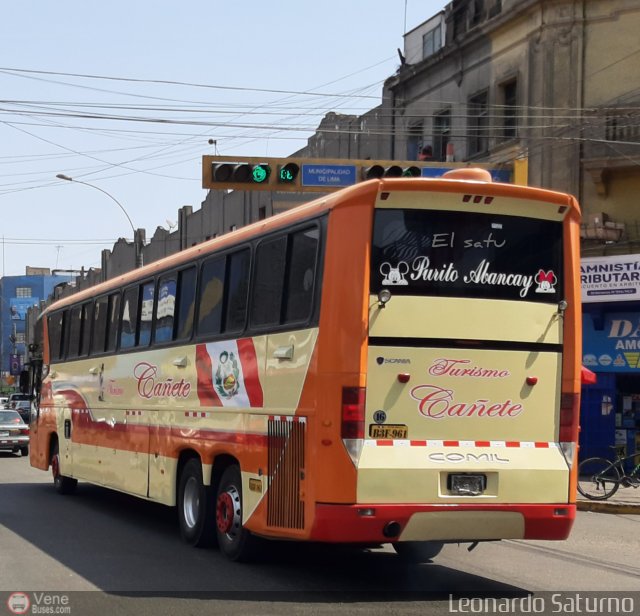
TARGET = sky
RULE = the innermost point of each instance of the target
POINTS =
(127, 95)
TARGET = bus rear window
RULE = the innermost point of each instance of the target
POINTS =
(466, 254)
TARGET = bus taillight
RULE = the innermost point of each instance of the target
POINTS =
(352, 426)
(569, 411)
(353, 412)
(568, 433)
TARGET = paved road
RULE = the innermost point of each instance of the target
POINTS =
(131, 550)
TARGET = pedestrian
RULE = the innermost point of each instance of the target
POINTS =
(426, 153)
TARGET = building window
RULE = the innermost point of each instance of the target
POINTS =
(431, 42)
(509, 93)
(441, 134)
(476, 10)
(20, 338)
(23, 291)
(477, 124)
(262, 212)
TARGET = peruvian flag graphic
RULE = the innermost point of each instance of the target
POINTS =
(228, 374)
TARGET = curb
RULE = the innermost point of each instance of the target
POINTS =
(604, 507)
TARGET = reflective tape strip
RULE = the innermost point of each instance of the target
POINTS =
(437, 443)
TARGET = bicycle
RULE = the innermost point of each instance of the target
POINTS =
(600, 478)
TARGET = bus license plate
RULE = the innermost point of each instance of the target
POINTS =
(467, 485)
(388, 431)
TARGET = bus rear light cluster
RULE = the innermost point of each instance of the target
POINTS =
(569, 416)
(353, 412)
(477, 199)
(352, 425)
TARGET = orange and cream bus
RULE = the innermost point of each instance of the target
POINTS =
(397, 362)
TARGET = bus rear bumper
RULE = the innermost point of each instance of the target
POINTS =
(389, 523)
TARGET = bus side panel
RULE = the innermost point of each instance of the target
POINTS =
(342, 342)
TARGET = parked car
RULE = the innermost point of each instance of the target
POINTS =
(14, 398)
(14, 433)
(23, 407)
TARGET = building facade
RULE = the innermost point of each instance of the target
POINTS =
(17, 295)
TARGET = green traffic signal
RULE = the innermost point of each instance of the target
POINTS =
(412, 172)
(260, 173)
(288, 173)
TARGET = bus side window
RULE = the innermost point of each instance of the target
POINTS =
(210, 298)
(99, 330)
(237, 291)
(113, 321)
(165, 309)
(56, 335)
(87, 313)
(146, 314)
(301, 276)
(75, 332)
(129, 318)
(185, 306)
(268, 282)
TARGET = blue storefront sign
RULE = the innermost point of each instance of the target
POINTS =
(613, 346)
(336, 176)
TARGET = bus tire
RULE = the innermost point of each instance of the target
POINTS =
(195, 506)
(416, 552)
(235, 541)
(62, 484)
(24, 451)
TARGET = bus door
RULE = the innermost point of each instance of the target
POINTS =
(465, 356)
(122, 429)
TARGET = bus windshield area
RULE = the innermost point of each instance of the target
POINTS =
(467, 254)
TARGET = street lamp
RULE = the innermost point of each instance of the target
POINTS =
(136, 243)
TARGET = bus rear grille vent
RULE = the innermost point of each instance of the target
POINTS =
(285, 506)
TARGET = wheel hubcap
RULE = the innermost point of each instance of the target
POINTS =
(191, 502)
(228, 512)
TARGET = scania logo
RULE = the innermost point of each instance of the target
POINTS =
(392, 360)
(457, 458)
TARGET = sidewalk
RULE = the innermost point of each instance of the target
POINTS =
(624, 501)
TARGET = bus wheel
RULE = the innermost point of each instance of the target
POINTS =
(235, 542)
(416, 552)
(24, 451)
(62, 484)
(195, 509)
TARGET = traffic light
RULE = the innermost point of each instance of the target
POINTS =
(288, 173)
(240, 173)
(319, 175)
(377, 171)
